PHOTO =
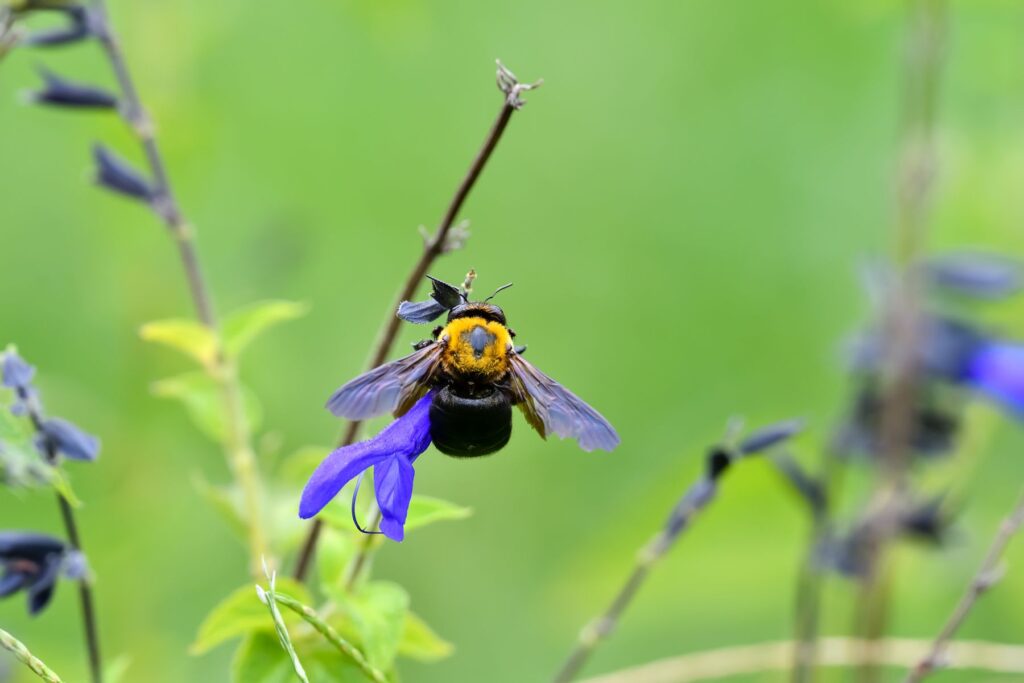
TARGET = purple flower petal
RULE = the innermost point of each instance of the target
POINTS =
(16, 372)
(338, 469)
(400, 442)
(393, 480)
(68, 439)
(997, 370)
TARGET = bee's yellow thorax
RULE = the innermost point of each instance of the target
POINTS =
(476, 348)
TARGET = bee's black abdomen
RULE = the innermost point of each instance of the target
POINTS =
(470, 426)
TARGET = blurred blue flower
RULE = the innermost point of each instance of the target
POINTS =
(391, 454)
(17, 374)
(996, 369)
(33, 563)
(60, 436)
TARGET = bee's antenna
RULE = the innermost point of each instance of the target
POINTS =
(355, 518)
(499, 289)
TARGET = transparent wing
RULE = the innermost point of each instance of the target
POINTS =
(390, 388)
(551, 408)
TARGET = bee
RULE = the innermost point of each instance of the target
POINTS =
(477, 375)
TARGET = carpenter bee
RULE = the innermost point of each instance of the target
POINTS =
(476, 375)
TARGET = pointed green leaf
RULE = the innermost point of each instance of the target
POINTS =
(202, 398)
(377, 612)
(241, 613)
(420, 642)
(424, 510)
(333, 556)
(260, 659)
(225, 501)
(244, 325)
(188, 336)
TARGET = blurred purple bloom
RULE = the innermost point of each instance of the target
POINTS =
(64, 93)
(60, 436)
(996, 369)
(17, 374)
(391, 454)
(30, 562)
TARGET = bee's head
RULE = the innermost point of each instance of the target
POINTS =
(478, 309)
(455, 301)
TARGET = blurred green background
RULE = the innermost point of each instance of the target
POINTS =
(682, 207)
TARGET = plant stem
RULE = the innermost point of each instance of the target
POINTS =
(238, 441)
(333, 637)
(903, 311)
(433, 247)
(67, 513)
(22, 654)
(743, 660)
(696, 498)
(986, 576)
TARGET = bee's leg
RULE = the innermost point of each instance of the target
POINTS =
(520, 350)
(422, 344)
(437, 331)
(511, 332)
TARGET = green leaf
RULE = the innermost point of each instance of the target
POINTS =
(260, 659)
(241, 613)
(333, 556)
(202, 398)
(420, 642)
(115, 671)
(424, 510)
(188, 336)
(225, 501)
(246, 324)
(378, 611)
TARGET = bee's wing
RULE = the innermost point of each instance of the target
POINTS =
(551, 408)
(390, 388)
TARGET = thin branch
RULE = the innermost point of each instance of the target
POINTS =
(22, 654)
(238, 442)
(332, 636)
(693, 501)
(433, 247)
(67, 513)
(988, 574)
(925, 43)
(835, 652)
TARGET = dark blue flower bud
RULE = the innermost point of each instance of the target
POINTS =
(30, 562)
(928, 521)
(772, 435)
(63, 93)
(810, 488)
(60, 436)
(984, 276)
(116, 175)
(77, 28)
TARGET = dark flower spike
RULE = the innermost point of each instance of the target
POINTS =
(116, 175)
(391, 454)
(443, 298)
(60, 436)
(770, 436)
(31, 562)
(76, 29)
(935, 427)
(975, 274)
(63, 93)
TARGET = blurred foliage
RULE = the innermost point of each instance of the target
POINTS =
(683, 208)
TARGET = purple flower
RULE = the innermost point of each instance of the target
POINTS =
(60, 436)
(996, 369)
(33, 563)
(17, 374)
(391, 454)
